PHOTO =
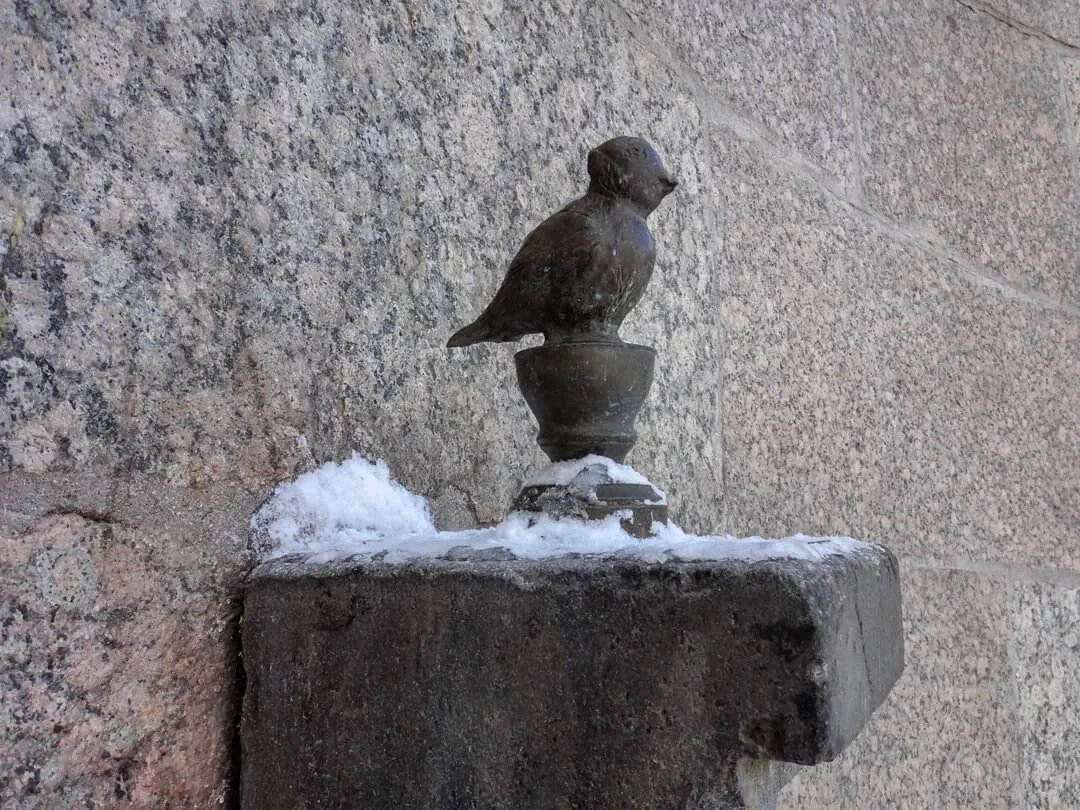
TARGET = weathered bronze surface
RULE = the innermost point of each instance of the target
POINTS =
(584, 268)
(575, 279)
(585, 396)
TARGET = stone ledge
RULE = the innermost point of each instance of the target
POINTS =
(567, 682)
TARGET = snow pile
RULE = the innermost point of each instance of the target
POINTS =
(356, 509)
(339, 506)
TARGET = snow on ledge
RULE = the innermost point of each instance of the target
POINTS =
(582, 476)
(563, 472)
(355, 509)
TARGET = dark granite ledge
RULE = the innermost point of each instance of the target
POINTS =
(567, 682)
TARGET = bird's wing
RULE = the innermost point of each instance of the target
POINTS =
(546, 270)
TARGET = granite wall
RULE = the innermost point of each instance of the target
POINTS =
(235, 236)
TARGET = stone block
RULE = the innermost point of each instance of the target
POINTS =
(946, 735)
(874, 390)
(1046, 633)
(497, 682)
(782, 64)
(965, 138)
(118, 664)
(236, 247)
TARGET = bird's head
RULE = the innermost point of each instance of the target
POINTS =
(630, 168)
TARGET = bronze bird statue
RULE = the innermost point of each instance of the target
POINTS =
(578, 275)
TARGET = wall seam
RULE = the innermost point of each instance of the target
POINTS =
(1019, 791)
(858, 192)
(927, 244)
(1055, 43)
(1061, 577)
(719, 112)
(703, 100)
(1072, 137)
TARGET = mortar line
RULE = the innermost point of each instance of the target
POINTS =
(854, 101)
(1072, 137)
(924, 243)
(719, 338)
(798, 165)
(716, 108)
(720, 113)
(795, 163)
(1055, 43)
(1008, 572)
(1019, 793)
(978, 273)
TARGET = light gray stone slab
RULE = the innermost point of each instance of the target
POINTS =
(781, 63)
(965, 138)
(946, 735)
(1046, 629)
(238, 247)
(873, 389)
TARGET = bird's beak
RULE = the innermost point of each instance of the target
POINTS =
(670, 183)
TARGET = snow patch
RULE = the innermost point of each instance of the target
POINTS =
(355, 509)
(581, 477)
(562, 473)
(338, 506)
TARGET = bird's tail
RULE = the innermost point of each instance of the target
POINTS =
(468, 335)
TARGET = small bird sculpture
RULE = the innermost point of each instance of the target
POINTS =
(578, 275)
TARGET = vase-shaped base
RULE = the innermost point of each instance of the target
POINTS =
(585, 396)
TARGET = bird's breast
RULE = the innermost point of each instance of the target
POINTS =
(640, 236)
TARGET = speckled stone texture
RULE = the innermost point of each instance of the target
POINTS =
(117, 645)
(1071, 67)
(955, 691)
(1056, 19)
(965, 138)
(1046, 626)
(781, 64)
(893, 419)
(239, 236)
(497, 682)
(991, 680)
(235, 236)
